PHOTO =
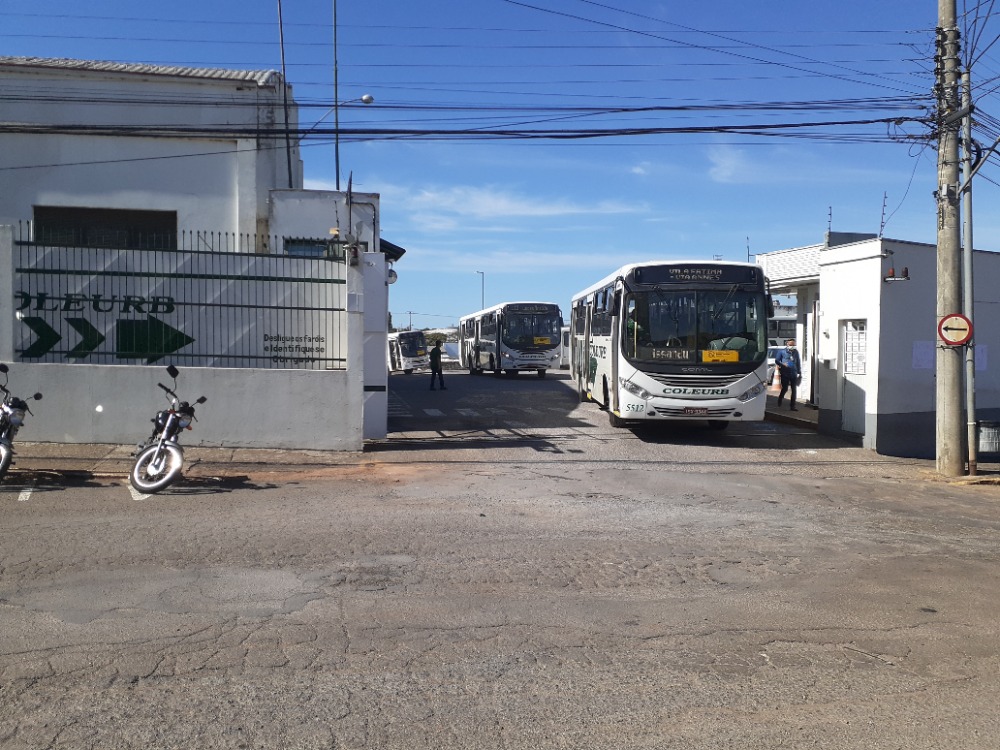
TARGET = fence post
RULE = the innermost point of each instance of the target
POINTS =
(7, 319)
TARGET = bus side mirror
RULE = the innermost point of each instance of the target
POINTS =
(770, 307)
(617, 302)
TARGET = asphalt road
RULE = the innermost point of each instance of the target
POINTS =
(508, 571)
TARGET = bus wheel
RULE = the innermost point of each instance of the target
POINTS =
(718, 424)
(615, 420)
(541, 373)
(408, 372)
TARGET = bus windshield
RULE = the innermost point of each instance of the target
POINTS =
(719, 326)
(524, 330)
(412, 344)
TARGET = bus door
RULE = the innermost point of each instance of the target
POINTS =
(615, 304)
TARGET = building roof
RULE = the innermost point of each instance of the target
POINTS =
(259, 77)
(391, 250)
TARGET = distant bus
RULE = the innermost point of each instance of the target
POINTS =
(511, 337)
(407, 351)
(668, 340)
(780, 328)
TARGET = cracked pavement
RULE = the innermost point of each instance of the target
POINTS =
(627, 593)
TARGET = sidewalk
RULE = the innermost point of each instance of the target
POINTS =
(805, 415)
(115, 461)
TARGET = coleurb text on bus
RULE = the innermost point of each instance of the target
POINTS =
(673, 340)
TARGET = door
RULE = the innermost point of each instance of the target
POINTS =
(854, 355)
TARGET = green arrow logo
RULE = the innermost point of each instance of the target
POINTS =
(150, 339)
(47, 338)
(92, 338)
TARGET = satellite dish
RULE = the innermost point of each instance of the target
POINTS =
(391, 276)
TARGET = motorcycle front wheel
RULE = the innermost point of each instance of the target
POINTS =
(150, 475)
(6, 453)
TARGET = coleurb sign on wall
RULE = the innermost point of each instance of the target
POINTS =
(110, 306)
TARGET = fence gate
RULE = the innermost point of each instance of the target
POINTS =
(200, 309)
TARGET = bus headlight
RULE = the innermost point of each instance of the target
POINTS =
(635, 390)
(753, 392)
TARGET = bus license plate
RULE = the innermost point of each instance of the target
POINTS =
(696, 410)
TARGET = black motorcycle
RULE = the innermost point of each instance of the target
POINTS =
(160, 458)
(12, 410)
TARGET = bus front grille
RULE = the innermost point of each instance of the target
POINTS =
(696, 381)
(678, 412)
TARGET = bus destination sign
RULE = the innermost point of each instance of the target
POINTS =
(528, 307)
(695, 273)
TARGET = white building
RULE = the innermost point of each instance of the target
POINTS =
(133, 156)
(188, 148)
(868, 337)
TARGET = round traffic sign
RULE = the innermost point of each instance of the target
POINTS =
(955, 329)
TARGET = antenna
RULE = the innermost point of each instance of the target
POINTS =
(748, 249)
(829, 219)
(881, 226)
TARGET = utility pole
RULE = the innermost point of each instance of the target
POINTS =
(968, 299)
(950, 459)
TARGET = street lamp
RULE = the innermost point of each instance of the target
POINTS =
(482, 289)
(365, 99)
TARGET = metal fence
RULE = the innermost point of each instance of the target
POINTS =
(100, 305)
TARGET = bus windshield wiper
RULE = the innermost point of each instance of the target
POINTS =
(732, 291)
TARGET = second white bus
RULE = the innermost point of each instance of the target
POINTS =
(407, 351)
(511, 337)
(670, 340)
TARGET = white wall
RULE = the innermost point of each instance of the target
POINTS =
(293, 409)
(850, 289)
(215, 183)
(312, 214)
(376, 297)
(301, 409)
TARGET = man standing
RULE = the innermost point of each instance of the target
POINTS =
(436, 365)
(789, 370)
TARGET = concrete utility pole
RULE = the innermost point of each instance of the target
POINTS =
(968, 298)
(950, 458)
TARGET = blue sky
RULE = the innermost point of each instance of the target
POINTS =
(544, 217)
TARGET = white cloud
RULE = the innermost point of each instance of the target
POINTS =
(490, 202)
(730, 165)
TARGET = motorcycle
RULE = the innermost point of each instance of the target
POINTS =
(158, 460)
(12, 411)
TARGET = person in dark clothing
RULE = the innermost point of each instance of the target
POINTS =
(789, 370)
(436, 366)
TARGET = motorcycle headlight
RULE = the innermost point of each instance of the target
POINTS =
(635, 390)
(16, 417)
(753, 392)
(184, 420)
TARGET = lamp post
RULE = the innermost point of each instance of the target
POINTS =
(482, 289)
(366, 99)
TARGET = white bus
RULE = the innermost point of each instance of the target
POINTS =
(511, 337)
(671, 340)
(407, 351)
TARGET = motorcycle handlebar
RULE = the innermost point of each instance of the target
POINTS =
(166, 389)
